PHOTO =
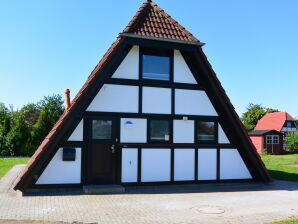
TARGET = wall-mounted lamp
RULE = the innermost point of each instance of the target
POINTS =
(128, 124)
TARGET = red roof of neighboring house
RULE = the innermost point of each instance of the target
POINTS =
(273, 121)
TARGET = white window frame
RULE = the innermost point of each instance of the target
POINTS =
(268, 139)
(271, 139)
(275, 139)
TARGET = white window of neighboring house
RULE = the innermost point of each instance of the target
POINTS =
(269, 139)
(272, 139)
(275, 139)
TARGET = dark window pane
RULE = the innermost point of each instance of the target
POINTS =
(269, 139)
(206, 131)
(159, 130)
(102, 129)
(156, 67)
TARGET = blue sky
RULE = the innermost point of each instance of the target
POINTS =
(48, 46)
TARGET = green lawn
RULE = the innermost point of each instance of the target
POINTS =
(7, 164)
(290, 221)
(278, 166)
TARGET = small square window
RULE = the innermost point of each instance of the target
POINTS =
(156, 67)
(275, 139)
(268, 139)
(102, 129)
(206, 131)
(159, 130)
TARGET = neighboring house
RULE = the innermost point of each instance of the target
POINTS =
(151, 112)
(271, 140)
(279, 121)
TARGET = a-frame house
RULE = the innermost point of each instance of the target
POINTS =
(152, 111)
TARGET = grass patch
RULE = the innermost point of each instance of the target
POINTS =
(290, 221)
(7, 163)
(278, 167)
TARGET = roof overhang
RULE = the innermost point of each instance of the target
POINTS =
(262, 132)
(196, 43)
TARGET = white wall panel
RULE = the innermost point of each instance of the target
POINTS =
(77, 134)
(156, 100)
(184, 164)
(156, 165)
(62, 172)
(129, 67)
(129, 165)
(183, 131)
(232, 165)
(182, 72)
(116, 98)
(207, 164)
(193, 102)
(222, 137)
(135, 132)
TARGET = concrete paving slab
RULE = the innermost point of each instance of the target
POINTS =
(217, 203)
(6, 183)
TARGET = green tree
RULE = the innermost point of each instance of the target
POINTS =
(51, 108)
(31, 112)
(22, 131)
(18, 135)
(253, 114)
(4, 129)
(292, 141)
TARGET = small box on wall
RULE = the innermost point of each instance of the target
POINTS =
(69, 154)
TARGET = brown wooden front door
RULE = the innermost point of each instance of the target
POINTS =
(102, 151)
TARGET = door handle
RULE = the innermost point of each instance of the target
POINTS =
(113, 148)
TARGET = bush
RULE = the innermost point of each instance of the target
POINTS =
(22, 131)
(18, 135)
(292, 141)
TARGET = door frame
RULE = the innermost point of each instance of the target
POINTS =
(87, 137)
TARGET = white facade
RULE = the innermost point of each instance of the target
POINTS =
(129, 67)
(193, 102)
(222, 137)
(183, 131)
(232, 165)
(133, 130)
(129, 171)
(182, 73)
(156, 165)
(207, 164)
(62, 172)
(184, 164)
(156, 100)
(155, 162)
(116, 98)
(77, 134)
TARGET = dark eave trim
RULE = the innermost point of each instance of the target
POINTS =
(161, 39)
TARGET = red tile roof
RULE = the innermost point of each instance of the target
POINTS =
(152, 21)
(273, 121)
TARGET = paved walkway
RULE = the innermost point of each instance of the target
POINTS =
(209, 203)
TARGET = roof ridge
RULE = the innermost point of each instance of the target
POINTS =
(153, 22)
